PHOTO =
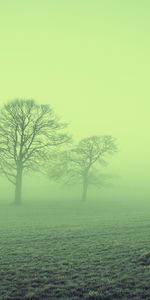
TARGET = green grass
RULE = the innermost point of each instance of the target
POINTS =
(75, 251)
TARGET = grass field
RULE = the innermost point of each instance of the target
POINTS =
(76, 250)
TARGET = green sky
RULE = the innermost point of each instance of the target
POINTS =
(90, 59)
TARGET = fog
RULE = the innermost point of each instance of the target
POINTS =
(74, 222)
(90, 62)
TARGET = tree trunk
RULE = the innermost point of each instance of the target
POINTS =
(85, 188)
(18, 187)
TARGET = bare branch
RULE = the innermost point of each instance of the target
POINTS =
(27, 133)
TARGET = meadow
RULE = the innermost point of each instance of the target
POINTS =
(71, 250)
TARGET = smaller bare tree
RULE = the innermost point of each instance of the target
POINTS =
(79, 164)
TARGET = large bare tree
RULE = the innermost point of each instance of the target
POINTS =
(79, 165)
(27, 133)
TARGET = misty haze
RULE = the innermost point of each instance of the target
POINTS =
(74, 150)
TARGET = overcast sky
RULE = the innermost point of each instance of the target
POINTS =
(90, 60)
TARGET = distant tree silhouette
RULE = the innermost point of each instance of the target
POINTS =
(79, 164)
(27, 133)
(89, 152)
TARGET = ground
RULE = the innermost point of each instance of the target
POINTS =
(63, 250)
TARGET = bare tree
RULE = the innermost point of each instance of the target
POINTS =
(87, 154)
(27, 133)
(79, 164)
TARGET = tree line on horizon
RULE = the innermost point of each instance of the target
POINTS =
(33, 139)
